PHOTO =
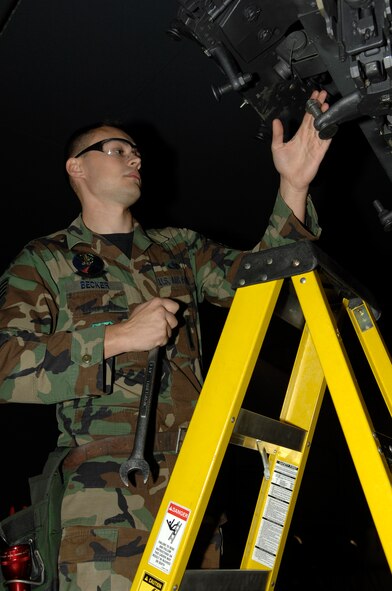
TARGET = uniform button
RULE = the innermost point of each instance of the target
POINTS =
(86, 359)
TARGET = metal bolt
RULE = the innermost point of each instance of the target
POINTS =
(252, 13)
(313, 106)
(326, 130)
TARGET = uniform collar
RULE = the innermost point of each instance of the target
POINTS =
(78, 233)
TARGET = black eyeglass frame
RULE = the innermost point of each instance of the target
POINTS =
(98, 146)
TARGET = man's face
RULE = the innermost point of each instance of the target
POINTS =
(110, 171)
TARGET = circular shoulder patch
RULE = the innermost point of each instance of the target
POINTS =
(88, 264)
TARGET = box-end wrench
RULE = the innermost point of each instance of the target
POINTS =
(136, 461)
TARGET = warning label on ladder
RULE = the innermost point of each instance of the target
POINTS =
(169, 537)
(151, 583)
(275, 513)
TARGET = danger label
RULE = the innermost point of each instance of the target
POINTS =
(178, 511)
(169, 537)
(151, 583)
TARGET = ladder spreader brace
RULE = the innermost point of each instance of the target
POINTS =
(321, 361)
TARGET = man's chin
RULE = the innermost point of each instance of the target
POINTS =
(134, 198)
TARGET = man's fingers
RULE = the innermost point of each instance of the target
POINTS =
(170, 305)
(171, 320)
(277, 133)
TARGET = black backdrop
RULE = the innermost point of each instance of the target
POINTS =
(66, 63)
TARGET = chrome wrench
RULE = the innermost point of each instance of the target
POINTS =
(136, 461)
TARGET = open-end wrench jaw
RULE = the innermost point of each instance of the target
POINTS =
(134, 465)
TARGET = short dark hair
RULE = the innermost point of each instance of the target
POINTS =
(76, 140)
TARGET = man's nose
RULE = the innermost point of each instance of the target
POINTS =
(134, 160)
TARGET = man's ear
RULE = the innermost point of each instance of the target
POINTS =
(73, 167)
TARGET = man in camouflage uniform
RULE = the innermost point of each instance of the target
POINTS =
(81, 308)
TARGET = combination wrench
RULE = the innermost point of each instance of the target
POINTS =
(136, 461)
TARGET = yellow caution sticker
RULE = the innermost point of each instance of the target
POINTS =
(151, 583)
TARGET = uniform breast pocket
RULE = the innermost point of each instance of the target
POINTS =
(93, 304)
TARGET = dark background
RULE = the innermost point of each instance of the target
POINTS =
(67, 63)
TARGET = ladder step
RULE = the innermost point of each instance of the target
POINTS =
(224, 580)
(251, 427)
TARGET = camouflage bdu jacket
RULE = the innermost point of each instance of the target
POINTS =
(52, 323)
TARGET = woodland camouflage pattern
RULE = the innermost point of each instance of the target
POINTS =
(52, 323)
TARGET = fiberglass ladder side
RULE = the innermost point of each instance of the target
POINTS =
(321, 361)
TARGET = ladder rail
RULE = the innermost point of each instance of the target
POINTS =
(356, 423)
(302, 411)
(373, 345)
(210, 430)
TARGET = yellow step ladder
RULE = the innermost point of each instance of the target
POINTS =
(322, 360)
